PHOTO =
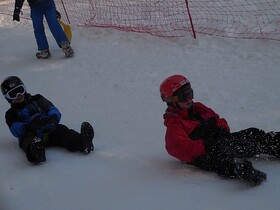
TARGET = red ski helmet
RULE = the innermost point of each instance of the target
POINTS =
(175, 88)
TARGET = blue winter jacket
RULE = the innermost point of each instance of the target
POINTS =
(19, 3)
(19, 115)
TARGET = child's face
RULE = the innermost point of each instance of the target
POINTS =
(185, 105)
(19, 99)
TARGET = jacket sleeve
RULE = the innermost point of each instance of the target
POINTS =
(179, 145)
(49, 108)
(53, 111)
(18, 129)
(14, 123)
(18, 4)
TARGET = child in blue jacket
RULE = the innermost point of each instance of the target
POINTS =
(39, 9)
(34, 120)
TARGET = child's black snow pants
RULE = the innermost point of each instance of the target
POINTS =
(224, 150)
(61, 137)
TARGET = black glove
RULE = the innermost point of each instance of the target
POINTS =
(16, 15)
(40, 120)
(197, 116)
(203, 128)
(49, 126)
(53, 120)
(209, 123)
(58, 15)
(37, 123)
(32, 127)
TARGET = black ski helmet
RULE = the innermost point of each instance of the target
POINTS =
(11, 83)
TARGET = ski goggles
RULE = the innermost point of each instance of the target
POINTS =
(15, 92)
(184, 95)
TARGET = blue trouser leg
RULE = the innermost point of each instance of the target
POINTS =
(55, 27)
(39, 30)
(46, 8)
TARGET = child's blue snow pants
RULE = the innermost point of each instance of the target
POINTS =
(38, 11)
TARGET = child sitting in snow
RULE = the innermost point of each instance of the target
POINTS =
(197, 135)
(34, 120)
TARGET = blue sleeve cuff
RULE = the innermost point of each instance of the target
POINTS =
(54, 111)
(17, 129)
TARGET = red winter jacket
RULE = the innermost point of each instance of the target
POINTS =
(180, 125)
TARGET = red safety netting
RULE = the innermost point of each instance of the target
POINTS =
(250, 19)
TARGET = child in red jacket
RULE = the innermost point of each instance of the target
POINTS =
(197, 135)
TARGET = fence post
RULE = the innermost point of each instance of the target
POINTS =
(190, 17)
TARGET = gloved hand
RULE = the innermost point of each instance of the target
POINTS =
(24, 114)
(53, 119)
(32, 127)
(197, 116)
(206, 122)
(40, 119)
(48, 124)
(209, 123)
(36, 122)
(58, 15)
(16, 14)
(203, 128)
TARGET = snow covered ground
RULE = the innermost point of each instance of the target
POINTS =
(113, 82)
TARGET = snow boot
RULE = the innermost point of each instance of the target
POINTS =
(67, 49)
(35, 152)
(44, 54)
(87, 133)
(246, 172)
